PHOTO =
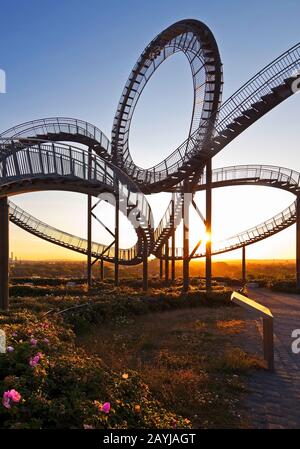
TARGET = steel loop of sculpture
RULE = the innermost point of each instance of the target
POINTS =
(41, 154)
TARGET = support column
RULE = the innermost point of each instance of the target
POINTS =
(161, 267)
(244, 274)
(186, 239)
(173, 243)
(89, 241)
(208, 270)
(101, 269)
(117, 241)
(167, 261)
(4, 254)
(89, 226)
(298, 242)
(145, 273)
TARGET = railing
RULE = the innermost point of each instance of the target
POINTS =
(255, 172)
(269, 227)
(58, 125)
(41, 229)
(261, 84)
(267, 317)
(242, 173)
(168, 217)
(48, 159)
(67, 240)
(207, 81)
(64, 161)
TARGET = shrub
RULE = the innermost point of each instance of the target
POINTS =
(237, 361)
(285, 286)
(66, 388)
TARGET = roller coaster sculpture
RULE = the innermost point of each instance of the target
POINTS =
(42, 155)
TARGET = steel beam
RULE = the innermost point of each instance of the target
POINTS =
(244, 273)
(101, 269)
(161, 267)
(208, 268)
(117, 207)
(186, 240)
(268, 336)
(145, 272)
(173, 243)
(89, 240)
(167, 261)
(89, 226)
(298, 242)
(4, 253)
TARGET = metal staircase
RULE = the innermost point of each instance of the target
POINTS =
(228, 176)
(58, 166)
(28, 162)
(61, 129)
(254, 99)
(259, 95)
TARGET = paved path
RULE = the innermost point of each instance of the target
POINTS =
(274, 401)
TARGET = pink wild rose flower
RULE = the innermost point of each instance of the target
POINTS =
(33, 341)
(105, 407)
(35, 360)
(10, 397)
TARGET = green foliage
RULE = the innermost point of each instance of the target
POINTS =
(67, 386)
(108, 304)
(61, 390)
(114, 307)
(285, 286)
(237, 361)
(34, 291)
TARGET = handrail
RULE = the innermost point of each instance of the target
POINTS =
(45, 124)
(64, 161)
(226, 116)
(263, 230)
(267, 317)
(198, 144)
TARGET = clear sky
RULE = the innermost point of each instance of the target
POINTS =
(72, 58)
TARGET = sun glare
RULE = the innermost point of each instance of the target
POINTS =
(206, 237)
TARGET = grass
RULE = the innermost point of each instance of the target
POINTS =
(186, 348)
(189, 358)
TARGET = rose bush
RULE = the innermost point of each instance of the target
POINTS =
(47, 382)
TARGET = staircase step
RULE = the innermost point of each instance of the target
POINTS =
(259, 106)
(206, 46)
(242, 120)
(227, 133)
(234, 126)
(220, 140)
(251, 113)
(208, 53)
(291, 79)
(269, 98)
(281, 90)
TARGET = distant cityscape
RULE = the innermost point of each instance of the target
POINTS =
(14, 259)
